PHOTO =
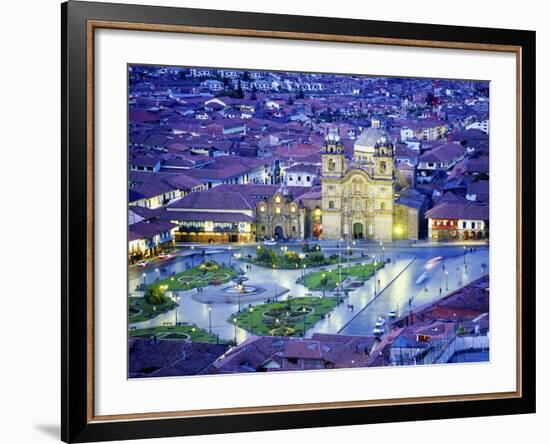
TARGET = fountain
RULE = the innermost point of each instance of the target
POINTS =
(239, 291)
(240, 288)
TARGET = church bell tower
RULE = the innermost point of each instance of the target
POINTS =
(333, 155)
(383, 159)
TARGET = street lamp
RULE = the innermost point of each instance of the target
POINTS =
(446, 280)
(324, 284)
(321, 306)
(340, 259)
(235, 324)
(175, 299)
(144, 281)
(304, 311)
(210, 319)
(251, 324)
(348, 254)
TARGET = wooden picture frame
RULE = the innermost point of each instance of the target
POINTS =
(79, 22)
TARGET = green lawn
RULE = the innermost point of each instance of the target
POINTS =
(289, 314)
(139, 310)
(294, 261)
(195, 277)
(361, 272)
(190, 332)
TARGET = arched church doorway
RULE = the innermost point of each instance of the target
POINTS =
(278, 232)
(358, 230)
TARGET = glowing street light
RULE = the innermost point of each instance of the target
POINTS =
(175, 299)
(210, 319)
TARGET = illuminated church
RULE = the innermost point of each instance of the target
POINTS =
(357, 195)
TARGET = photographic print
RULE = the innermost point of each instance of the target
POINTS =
(293, 221)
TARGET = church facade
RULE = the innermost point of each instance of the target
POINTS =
(357, 195)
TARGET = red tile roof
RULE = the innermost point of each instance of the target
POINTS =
(459, 210)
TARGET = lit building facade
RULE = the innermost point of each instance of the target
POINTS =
(357, 196)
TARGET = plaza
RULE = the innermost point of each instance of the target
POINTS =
(414, 274)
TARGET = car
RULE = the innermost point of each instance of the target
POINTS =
(270, 242)
(378, 330)
(164, 256)
(422, 278)
(141, 263)
(380, 322)
(433, 262)
(392, 314)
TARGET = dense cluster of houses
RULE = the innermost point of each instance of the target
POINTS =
(221, 155)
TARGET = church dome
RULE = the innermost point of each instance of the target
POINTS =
(372, 137)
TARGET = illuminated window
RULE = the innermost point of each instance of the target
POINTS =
(278, 199)
(317, 212)
(277, 210)
(293, 209)
(262, 209)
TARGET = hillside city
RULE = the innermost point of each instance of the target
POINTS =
(285, 221)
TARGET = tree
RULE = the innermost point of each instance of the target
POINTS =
(316, 258)
(292, 257)
(266, 256)
(155, 296)
(209, 266)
